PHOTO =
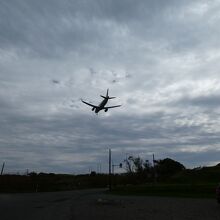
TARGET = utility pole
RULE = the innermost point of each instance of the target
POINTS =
(99, 169)
(110, 172)
(155, 175)
(3, 165)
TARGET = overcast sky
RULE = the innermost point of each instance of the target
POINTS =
(160, 58)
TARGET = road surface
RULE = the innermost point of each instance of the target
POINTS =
(95, 204)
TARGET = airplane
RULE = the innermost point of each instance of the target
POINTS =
(101, 106)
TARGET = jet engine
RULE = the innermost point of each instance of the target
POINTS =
(93, 108)
(106, 110)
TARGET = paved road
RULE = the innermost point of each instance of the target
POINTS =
(94, 204)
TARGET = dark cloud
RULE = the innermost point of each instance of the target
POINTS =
(55, 81)
(206, 101)
(52, 29)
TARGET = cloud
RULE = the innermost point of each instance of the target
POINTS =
(55, 81)
(158, 58)
(209, 101)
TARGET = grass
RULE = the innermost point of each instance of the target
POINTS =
(168, 190)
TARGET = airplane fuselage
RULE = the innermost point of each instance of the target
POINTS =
(101, 105)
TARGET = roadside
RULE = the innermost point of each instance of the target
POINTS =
(97, 205)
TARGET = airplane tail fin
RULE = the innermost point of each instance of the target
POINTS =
(107, 97)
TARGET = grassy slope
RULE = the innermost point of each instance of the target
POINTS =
(195, 183)
(170, 190)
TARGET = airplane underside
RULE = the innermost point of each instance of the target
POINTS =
(96, 109)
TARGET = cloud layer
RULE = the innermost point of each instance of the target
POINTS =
(160, 58)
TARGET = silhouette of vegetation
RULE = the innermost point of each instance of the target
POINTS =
(43, 182)
(168, 178)
(140, 171)
(166, 168)
(163, 177)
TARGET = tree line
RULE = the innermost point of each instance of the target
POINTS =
(138, 171)
(159, 170)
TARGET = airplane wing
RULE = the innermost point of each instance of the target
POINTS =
(115, 106)
(94, 106)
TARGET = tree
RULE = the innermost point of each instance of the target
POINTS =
(168, 167)
(147, 166)
(129, 165)
(134, 164)
(138, 164)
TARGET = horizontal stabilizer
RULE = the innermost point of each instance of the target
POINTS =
(107, 97)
